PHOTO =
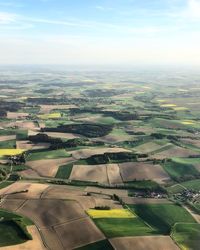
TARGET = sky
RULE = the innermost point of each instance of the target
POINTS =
(100, 32)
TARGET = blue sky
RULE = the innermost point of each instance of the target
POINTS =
(122, 32)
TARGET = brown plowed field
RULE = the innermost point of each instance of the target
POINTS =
(7, 137)
(48, 213)
(78, 233)
(85, 153)
(94, 173)
(175, 152)
(144, 243)
(48, 168)
(143, 171)
(34, 190)
(113, 172)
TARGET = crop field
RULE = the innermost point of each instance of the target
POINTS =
(103, 244)
(12, 229)
(122, 227)
(193, 184)
(48, 167)
(36, 242)
(93, 173)
(179, 170)
(48, 154)
(50, 116)
(175, 151)
(187, 236)
(113, 213)
(143, 171)
(90, 233)
(149, 147)
(162, 217)
(11, 152)
(144, 242)
(86, 153)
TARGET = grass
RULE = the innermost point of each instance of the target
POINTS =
(64, 171)
(186, 160)
(107, 120)
(13, 229)
(178, 169)
(5, 184)
(177, 188)
(48, 154)
(50, 116)
(22, 135)
(162, 217)
(11, 234)
(112, 213)
(9, 215)
(18, 168)
(193, 184)
(187, 236)
(142, 185)
(11, 152)
(122, 227)
(100, 245)
(8, 144)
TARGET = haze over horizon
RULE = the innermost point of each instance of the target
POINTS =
(100, 32)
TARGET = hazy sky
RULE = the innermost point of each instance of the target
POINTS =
(122, 32)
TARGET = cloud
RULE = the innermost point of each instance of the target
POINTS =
(7, 18)
(193, 9)
(14, 21)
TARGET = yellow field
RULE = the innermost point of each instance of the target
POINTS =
(168, 105)
(183, 90)
(139, 92)
(161, 100)
(188, 122)
(180, 108)
(112, 213)
(22, 98)
(50, 116)
(11, 152)
(146, 87)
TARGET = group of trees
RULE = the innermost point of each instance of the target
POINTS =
(88, 130)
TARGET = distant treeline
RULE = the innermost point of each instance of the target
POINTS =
(119, 115)
(88, 130)
(58, 143)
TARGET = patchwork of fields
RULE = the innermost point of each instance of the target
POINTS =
(99, 165)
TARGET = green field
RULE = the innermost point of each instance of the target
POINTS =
(146, 185)
(178, 170)
(21, 135)
(64, 171)
(177, 188)
(5, 184)
(100, 245)
(8, 144)
(187, 236)
(13, 229)
(193, 184)
(186, 160)
(48, 154)
(123, 227)
(162, 216)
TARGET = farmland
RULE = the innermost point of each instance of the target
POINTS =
(106, 163)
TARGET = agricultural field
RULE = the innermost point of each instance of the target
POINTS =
(187, 236)
(162, 217)
(99, 161)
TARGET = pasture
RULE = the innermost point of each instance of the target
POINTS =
(162, 217)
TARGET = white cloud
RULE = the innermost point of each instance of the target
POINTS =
(7, 18)
(194, 8)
